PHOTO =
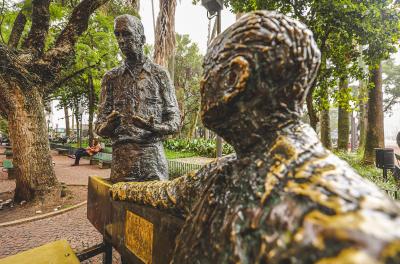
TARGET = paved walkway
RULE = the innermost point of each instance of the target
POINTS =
(72, 225)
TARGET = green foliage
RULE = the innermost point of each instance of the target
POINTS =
(96, 51)
(3, 127)
(369, 172)
(170, 154)
(340, 27)
(188, 70)
(201, 147)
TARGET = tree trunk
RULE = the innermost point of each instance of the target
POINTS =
(91, 109)
(326, 129)
(66, 117)
(31, 150)
(363, 116)
(375, 131)
(164, 43)
(312, 113)
(192, 128)
(343, 118)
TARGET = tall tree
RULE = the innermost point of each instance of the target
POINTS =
(385, 20)
(188, 72)
(375, 129)
(343, 116)
(28, 73)
(164, 44)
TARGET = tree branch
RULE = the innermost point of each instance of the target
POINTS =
(40, 26)
(77, 24)
(18, 28)
(1, 22)
(53, 87)
(11, 68)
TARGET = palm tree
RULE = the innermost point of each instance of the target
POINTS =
(164, 44)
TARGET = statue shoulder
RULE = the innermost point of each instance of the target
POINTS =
(112, 74)
(160, 71)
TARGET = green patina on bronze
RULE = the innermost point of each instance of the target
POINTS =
(284, 198)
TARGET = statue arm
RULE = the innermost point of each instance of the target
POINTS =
(176, 196)
(107, 119)
(171, 116)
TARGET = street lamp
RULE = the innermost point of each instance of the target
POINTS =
(215, 6)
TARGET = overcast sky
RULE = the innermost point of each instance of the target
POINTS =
(189, 19)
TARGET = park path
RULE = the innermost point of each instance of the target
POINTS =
(72, 226)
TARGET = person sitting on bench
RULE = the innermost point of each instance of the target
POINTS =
(89, 151)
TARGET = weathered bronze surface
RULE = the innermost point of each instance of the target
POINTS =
(141, 234)
(138, 108)
(284, 198)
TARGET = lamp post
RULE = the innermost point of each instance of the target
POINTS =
(214, 7)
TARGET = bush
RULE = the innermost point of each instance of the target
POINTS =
(201, 147)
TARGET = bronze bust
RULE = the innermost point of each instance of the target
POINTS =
(138, 108)
(284, 198)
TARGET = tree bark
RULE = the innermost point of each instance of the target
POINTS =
(164, 43)
(326, 129)
(343, 118)
(363, 116)
(66, 117)
(16, 32)
(31, 150)
(91, 108)
(375, 130)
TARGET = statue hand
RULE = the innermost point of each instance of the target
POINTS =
(143, 123)
(113, 116)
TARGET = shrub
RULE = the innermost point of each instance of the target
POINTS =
(201, 147)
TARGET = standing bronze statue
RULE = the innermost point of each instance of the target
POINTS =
(138, 108)
(284, 198)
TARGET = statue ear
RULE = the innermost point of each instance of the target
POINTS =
(143, 39)
(236, 78)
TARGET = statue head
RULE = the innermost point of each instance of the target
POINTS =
(129, 32)
(257, 74)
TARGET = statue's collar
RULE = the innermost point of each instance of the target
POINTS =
(146, 66)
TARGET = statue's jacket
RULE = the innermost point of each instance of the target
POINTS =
(148, 94)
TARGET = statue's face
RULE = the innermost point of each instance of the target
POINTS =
(224, 80)
(130, 40)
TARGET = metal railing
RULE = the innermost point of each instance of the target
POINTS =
(177, 168)
(395, 194)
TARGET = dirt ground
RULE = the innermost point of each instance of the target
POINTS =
(72, 195)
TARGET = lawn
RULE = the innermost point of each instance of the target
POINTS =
(176, 155)
(369, 172)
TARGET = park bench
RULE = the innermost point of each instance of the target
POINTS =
(9, 168)
(62, 151)
(104, 160)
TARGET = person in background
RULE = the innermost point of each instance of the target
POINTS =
(85, 152)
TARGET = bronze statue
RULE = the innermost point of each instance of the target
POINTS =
(284, 198)
(137, 109)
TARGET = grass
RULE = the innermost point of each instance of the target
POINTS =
(176, 155)
(369, 172)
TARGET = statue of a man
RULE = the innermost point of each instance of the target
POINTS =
(137, 109)
(284, 198)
